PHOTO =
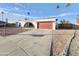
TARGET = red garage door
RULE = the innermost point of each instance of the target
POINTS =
(45, 25)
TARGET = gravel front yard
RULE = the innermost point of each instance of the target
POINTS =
(74, 48)
(11, 31)
(60, 39)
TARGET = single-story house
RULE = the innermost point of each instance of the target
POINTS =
(77, 24)
(41, 23)
(2, 23)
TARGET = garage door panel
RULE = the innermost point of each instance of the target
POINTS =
(45, 25)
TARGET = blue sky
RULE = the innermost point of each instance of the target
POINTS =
(18, 11)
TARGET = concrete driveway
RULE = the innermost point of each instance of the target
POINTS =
(30, 43)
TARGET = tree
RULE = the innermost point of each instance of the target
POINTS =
(57, 7)
(64, 22)
(68, 5)
(28, 13)
(2, 14)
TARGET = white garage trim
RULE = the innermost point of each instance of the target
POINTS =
(54, 25)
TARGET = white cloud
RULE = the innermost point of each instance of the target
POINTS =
(19, 15)
(63, 14)
(20, 5)
(6, 11)
(16, 8)
(67, 14)
(24, 8)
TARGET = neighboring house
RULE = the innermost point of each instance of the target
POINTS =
(77, 24)
(41, 23)
(2, 23)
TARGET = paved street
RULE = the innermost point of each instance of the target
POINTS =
(30, 43)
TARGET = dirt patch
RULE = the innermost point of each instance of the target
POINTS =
(60, 39)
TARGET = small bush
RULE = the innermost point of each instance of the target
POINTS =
(65, 26)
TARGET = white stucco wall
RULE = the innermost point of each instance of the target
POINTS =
(34, 22)
(54, 25)
(24, 22)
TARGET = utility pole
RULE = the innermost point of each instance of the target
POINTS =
(3, 23)
(6, 22)
(2, 15)
(28, 13)
(56, 24)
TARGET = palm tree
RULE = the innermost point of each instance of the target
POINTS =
(68, 5)
(28, 13)
(57, 7)
(56, 23)
(4, 23)
(2, 14)
(64, 22)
